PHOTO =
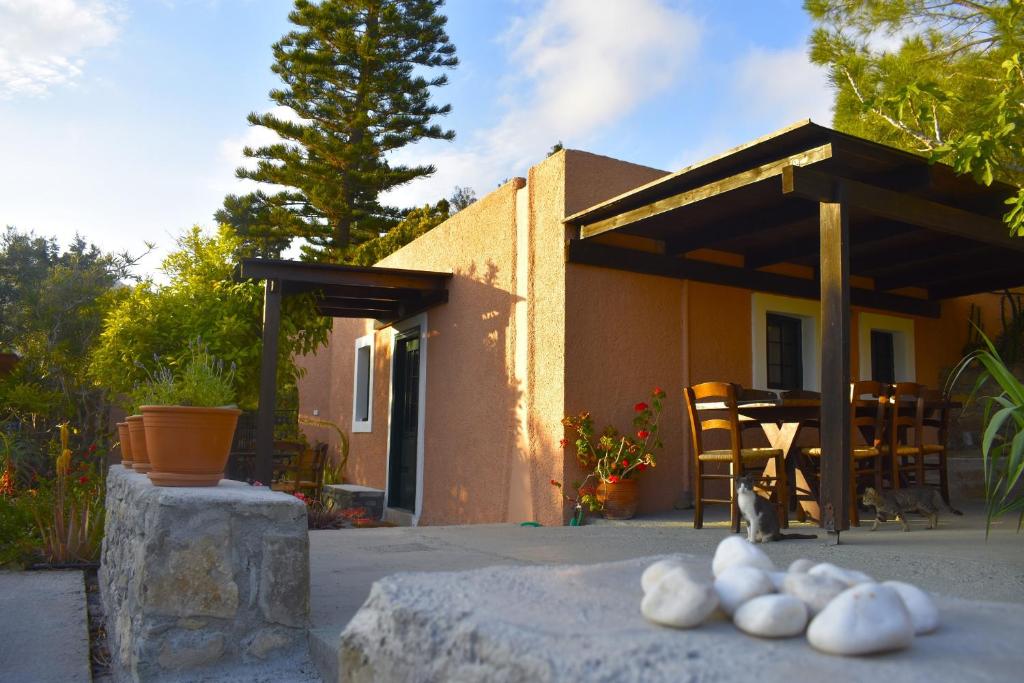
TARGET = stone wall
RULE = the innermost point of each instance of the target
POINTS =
(195, 579)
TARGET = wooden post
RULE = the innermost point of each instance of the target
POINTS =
(264, 470)
(835, 362)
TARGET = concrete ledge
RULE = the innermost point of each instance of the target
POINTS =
(201, 579)
(566, 623)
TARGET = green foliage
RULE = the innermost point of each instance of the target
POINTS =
(417, 222)
(265, 229)
(461, 198)
(1002, 444)
(952, 89)
(154, 324)
(358, 76)
(202, 381)
(52, 305)
(19, 536)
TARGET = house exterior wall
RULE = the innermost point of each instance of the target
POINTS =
(526, 339)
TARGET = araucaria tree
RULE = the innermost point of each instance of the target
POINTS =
(940, 77)
(358, 76)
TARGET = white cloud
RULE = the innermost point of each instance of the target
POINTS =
(232, 156)
(782, 86)
(42, 41)
(579, 66)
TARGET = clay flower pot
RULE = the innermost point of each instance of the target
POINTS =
(126, 444)
(188, 446)
(619, 499)
(137, 435)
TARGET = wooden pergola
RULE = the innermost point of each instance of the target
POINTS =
(386, 295)
(875, 227)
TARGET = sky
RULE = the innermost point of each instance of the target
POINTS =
(123, 120)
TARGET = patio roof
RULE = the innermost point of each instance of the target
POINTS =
(386, 295)
(912, 224)
(383, 294)
(914, 232)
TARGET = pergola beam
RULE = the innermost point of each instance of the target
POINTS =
(327, 274)
(718, 187)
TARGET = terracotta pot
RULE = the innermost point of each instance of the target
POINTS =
(137, 435)
(188, 446)
(619, 499)
(126, 443)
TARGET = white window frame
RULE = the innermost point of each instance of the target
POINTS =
(367, 424)
(421, 417)
(904, 359)
(809, 313)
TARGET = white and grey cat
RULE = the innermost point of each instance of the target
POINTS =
(759, 514)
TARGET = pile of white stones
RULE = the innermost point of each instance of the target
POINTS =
(844, 612)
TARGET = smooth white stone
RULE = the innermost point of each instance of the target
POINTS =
(814, 590)
(851, 577)
(677, 600)
(778, 580)
(653, 573)
(736, 550)
(862, 620)
(923, 611)
(740, 583)
(772, 616)
(801, 566)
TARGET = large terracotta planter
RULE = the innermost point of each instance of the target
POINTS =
(619, 499)
(126, 444)
(137, 434)
(188, 446)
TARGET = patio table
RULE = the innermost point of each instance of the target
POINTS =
(781, 419)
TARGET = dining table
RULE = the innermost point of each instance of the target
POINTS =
(782, 419)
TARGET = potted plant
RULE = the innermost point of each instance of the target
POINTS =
(137, 438)
(126, 444)
(190, 422)
(615, 459)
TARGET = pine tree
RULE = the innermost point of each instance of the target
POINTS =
(358, 74)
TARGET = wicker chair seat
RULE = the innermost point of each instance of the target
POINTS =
(746, 454)
(857, 452)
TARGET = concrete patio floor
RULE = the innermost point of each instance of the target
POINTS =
(954, 559)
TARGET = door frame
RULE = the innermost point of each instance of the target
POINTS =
(397, 329)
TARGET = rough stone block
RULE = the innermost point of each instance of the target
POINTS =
(197, 580)
(577, 623)
(354, 496)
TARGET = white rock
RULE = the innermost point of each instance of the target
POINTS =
(814, 590)
(679, 601)
(778, 579)
(771, 616)
(653, 573)
(923, 611)
(801, 566)
(851, 577)
(736, 550)
(740, 583)
(861, 620)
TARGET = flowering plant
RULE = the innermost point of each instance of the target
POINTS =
(612, 456)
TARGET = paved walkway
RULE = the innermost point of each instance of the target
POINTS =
(952, 560)
(44, 632)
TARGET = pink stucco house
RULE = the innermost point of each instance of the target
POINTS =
(592, 280)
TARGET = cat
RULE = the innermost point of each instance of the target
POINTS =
(897, 503)
(760, 515)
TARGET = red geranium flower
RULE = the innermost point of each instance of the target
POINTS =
(625, 463)
(641, 467)
(659, 392)
(640, 407)
(564, 443)
(83, 480)
(556, 483)
(643, 434)
(613, 479)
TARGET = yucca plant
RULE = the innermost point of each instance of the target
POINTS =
(74, 529)
(334, 472)
(1002, 445)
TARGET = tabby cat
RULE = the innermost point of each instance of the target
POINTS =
(928, 501)
(759, 514)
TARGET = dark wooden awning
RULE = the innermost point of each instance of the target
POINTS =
(386, 295)
(915, 233)
(912, 224)
(383, 294)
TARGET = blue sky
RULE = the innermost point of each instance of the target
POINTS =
(124, 119)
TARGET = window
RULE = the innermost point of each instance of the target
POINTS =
(784, 351)
(883, 368)
(362, 399)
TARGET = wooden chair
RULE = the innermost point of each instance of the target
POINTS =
(933, 415)
(305, 472)
(902, 445)
(867, 428)
(740, 460)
